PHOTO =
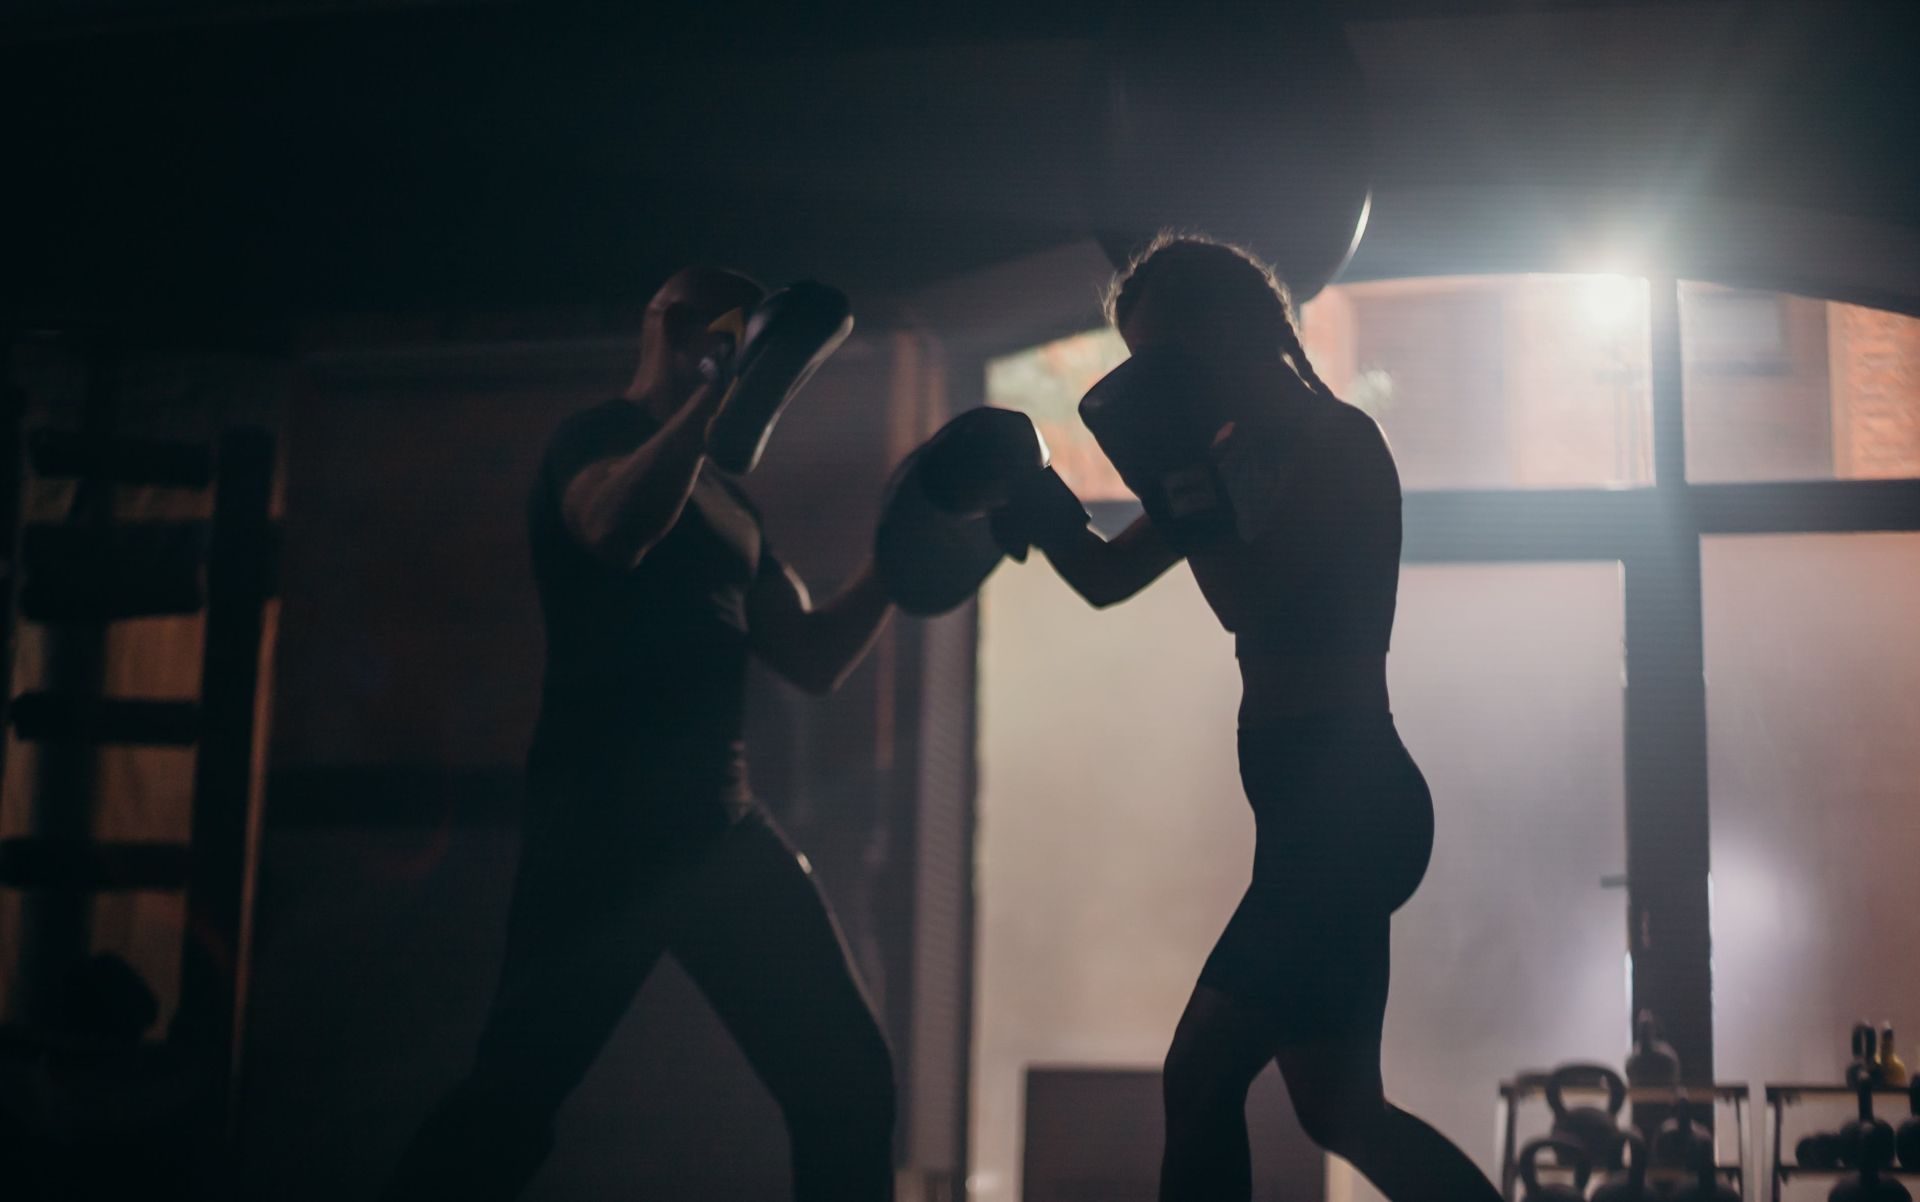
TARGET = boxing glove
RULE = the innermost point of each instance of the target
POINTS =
(1041, 509)
(1156, 417)
(935, 544)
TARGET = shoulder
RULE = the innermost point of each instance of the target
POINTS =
(1364, 448)
(1353, 427)
(1351, 419)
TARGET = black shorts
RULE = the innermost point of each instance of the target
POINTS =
(1345, 829)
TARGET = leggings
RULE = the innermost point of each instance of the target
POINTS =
(746, 921)
(1344, 827)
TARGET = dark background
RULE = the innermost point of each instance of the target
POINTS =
(441, 220)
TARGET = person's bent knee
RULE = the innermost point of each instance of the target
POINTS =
(1341, 1125)
(1193, 1087)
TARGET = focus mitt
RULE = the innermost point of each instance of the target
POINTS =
(770, 353)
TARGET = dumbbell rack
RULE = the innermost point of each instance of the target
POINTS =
(1780, 1097)
(1532, 1088)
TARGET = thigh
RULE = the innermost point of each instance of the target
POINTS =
(756, 936)
(1315, 966)
(580, 942)
(1328, 1080)
(1220, 1045)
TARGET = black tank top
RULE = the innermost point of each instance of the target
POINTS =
(644, 688)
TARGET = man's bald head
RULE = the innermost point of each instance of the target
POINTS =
(673, 335)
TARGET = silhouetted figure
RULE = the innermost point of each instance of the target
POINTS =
(1286, 504)
(642, 836)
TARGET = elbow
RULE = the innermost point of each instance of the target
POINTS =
(619, 556)
(816, 684)
(816, 676)
(1094, 584)
(619, 544)
(829, 677)
(620, 550)
(1101, 594)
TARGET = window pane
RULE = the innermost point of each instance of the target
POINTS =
(1780, 387)
(1813, 698)
(1526, 381)
(1046, 383)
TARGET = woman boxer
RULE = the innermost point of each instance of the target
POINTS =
(1286, 504)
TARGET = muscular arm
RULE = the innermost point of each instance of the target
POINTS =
(1104, 572)
(618, 508)
(815, 647)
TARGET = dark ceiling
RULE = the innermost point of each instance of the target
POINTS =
(221, 159)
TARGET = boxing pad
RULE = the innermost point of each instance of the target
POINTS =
(935, 544)
(774, 350)
(1156, 417)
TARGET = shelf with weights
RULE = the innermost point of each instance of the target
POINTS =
(1587, 1106)
(1645, 1131)
(1880, 1141)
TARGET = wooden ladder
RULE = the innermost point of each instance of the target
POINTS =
(79, 576)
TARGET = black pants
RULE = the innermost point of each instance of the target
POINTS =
(1344, 829)
(745, 919)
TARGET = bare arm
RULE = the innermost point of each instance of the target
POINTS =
(1105, 572)
(815, 647)
(619, 508)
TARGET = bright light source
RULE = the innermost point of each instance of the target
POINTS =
(1613, 302)
(1628, 982)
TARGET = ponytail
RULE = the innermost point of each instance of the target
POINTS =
(1297, 355)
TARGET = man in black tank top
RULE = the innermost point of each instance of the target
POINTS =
(641, 834)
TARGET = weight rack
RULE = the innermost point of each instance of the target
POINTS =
(1514, 1095)
(1780, 1097)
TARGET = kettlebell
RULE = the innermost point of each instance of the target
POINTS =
(1907, 1142)
(1596, 1131)
(1866, 1142)
(1866, 1056)
(1869, 1186)
(1694, 1156)
(1821, 1150)
(1654, 1064)
(1632, 1187)
(1681, 1136)
(1568, 1154)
